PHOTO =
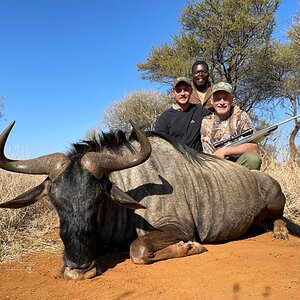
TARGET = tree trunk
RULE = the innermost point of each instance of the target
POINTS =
(294, 155)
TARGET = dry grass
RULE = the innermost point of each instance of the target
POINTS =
(24, 230)
(288, 175)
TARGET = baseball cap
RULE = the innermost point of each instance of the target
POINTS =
(222, 86)
(181, 79)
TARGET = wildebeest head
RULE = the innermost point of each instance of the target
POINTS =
(77, 185)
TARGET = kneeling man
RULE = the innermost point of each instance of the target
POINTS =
(224, 125)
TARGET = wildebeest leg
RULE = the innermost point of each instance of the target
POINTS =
(163, 243)
(274, 211)
(280, 231)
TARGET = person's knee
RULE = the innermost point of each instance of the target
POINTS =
(251, 160)
(254, 161)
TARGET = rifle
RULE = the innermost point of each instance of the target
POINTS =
(249, 137)
(233, 139)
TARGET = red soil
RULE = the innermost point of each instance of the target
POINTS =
(258, 267)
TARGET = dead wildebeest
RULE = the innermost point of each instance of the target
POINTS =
(100, 190)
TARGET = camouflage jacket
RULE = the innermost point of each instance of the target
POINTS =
(214, 130)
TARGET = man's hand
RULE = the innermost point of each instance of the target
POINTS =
(235, 150)
(221, 152)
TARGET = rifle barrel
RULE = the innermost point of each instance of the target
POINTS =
(287, 120)
(257, 136)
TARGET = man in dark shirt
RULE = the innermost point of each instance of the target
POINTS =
(183, 119)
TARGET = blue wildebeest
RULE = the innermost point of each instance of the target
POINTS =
(100, 190)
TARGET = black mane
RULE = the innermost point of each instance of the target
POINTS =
(114, 140)
(104, 140)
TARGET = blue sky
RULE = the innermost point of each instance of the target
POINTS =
(63, 62)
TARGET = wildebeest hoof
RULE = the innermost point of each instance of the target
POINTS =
(280, 231)
(79, 274)
(194, 248)
(281, 235)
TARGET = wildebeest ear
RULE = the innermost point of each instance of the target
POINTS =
(123, 199)
(29, 197)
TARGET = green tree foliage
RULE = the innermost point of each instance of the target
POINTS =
(142, 106)
(294, 35)
(225, 33)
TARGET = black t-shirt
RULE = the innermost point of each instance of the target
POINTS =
(183, 125)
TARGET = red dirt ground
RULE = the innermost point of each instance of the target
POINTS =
(258, 267)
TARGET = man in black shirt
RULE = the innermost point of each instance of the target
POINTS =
(183, 119)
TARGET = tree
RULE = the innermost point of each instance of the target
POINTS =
(225, 33)
(142, 106)
(280, 69)
(291, 84)
(294, 35)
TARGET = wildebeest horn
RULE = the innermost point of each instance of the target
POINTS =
(51, 164)
(98, 163)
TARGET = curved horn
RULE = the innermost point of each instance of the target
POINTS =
(52, 164)
(98, 163)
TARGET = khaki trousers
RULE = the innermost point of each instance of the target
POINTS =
(251, 160)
